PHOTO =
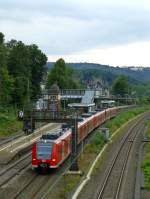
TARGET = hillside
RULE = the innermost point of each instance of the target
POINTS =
(136, 73)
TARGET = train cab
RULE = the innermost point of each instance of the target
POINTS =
(51, 150)
(44, 151)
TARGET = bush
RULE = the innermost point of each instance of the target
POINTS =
(123, 117)
(9, 123)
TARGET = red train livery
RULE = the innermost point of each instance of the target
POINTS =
(52, 149)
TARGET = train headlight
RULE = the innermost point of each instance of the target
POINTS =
(53, 160)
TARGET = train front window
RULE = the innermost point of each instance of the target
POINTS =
(44, 150)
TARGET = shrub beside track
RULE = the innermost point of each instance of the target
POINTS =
(146, 161)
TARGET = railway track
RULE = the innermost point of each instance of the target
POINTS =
(14, 169)
(18, 176)
(23, 189)
(32, 187)
(6, 140)
(113, 181)
(37, 185)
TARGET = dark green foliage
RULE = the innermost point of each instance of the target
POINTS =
(97, 143)
(6, 81)
(25, 63)
(121, 86)
(141, 74)
(62, 75)
(23, 68)
(37, 64)
(18, 60)
(3, 55)
(146, 161)
(1, 38)
(12, 43)
(138, 78)
(8, 122)
(19, 68)
(6, 86)
(123, 117)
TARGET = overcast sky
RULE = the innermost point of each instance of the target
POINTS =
(114, 32)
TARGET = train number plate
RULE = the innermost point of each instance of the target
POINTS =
(43, 165)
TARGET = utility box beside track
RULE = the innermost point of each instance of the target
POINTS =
(105, 132)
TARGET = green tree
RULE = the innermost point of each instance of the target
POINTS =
(12, 43)
(3, 51)
(62, 74)
(38, 68)
(121, 86)
(19, 68)
(26, 63)
(18, 60)
(6, 86)
(1, 38)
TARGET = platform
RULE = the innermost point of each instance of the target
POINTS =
(22, 144)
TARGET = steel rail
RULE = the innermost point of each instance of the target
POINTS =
(125, 164)
(24, 187)
(4, 179)
(4, 141)
(125, 138)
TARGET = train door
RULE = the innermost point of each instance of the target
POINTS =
(63, 149)
(59, 152)
(79, 134)
(66, 146)
(94, 122)
(100, 119)
(84, 130)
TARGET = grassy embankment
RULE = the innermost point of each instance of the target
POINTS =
(146, 161)
(9, 123)
(85, 160)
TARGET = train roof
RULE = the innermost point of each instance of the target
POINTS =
(52, 136)
(86, 115)
(61, 134)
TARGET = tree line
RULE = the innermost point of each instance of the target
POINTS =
(62, 74)
(22, 68)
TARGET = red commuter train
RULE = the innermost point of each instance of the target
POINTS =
(52, 149)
